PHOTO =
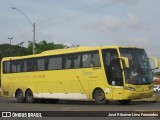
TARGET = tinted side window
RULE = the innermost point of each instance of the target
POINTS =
(66, 61)
(55, 63)
(41, 64)
(71, 61)
(29, 65)
(16, 66)
(6, 67)
(90, 59)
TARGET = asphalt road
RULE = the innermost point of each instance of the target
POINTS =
(10, 104)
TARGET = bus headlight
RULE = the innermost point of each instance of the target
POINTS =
(129, 88)
(151, 87)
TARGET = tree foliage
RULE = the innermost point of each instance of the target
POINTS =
(7, 50)
(43, 46)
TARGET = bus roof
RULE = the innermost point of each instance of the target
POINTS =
(78, 48)
(81, 48)
(64, 51)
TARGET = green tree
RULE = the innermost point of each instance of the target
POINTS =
(43, 46)
(7, 50)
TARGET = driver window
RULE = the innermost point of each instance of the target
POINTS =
(112, 67)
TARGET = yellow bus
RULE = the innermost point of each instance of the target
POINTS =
(99, 74)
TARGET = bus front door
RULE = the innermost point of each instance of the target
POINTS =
(113, 73)
(116, 80)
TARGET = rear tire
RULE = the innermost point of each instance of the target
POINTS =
(19, 96)
(99, 97)
(29, 96)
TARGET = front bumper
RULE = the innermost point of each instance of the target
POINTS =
(137, 95)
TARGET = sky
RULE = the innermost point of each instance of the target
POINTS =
(83, 22)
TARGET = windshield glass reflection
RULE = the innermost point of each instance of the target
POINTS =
(139, 71)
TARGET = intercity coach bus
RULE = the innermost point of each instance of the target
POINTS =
(99, 74)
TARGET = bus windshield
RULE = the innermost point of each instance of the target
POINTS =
(139, 71)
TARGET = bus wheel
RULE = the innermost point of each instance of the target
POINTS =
(99, 97)
(29, 96)
(19, 96)
(124, 102)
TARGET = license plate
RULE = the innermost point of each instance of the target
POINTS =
(143, 94)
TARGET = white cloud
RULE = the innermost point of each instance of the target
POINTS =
(110, 23)
(133, 21)
(139, 41)
(114, 24)
(131, 2)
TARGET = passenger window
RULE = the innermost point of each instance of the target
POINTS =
(29, 65)
(90, 59)
(41, 64)
(6, 67)
(72, 61)
(55, 63)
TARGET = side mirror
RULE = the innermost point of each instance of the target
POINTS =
(125, 61)
(155, 62)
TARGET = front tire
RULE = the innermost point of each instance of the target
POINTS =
(99, 97)
(29, 96)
